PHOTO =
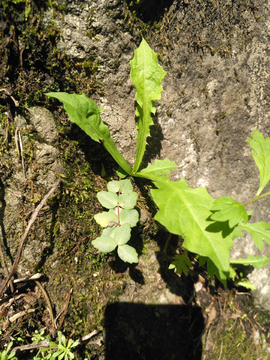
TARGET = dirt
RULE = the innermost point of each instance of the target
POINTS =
(142, 310)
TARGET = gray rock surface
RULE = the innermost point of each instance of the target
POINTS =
(215, 94)
(17, 199)
(44, 124)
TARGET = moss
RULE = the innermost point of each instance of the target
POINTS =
(231, 342)
(32, 44)
(218, 21)
(222, 114)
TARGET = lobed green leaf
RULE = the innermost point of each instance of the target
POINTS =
(257, 261)
(246, 284)
(113, 186)
(122, 234)
(228, 209)
(212, 270)
(160, 167)
(106, 218)
(110, 231)
(181, 264)
(186, 212)
(85, 113)
(241, 282)
(258, 232)
(146, 74)
(130, 217)
(124, 186)
(261, 156)
(128, 200)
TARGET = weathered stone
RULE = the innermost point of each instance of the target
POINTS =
(49, 156)
(212, 101)
(43, 121)
(43, 168)
(20, 121)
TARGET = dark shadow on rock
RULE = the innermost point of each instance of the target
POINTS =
(182, 285)
(140, 331)
(150, 10)
(98, 156)
(153, 146)
(179, 285)
(95, 153)
(119, 266)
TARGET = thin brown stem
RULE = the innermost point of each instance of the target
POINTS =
(41, 344)
(65, 310)
(166, 244)
(5, 267)
(48, 303)
(31, 222)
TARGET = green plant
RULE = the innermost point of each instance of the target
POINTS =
(63, 347)
(118, 221)
(60, 350)
(43, 352)
(4, 355)
(27, 6)
(208, 226)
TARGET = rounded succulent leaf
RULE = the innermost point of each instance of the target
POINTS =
(130, 217)
(125, 186)
(122, 234)
(104, 244)
(107, 199)
(127, 253)
(128, 200)
(105, 218)
(113, 186)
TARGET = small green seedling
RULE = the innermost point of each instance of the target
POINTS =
(120, 199)
(4, 355)
(44, 352)
(63, 347)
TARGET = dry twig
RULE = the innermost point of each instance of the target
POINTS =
(8, 92)
(32, 220)
(48, 302)
(21, 147)
(79, 243)
(221, 350)
(20, 314)
(89, 336)
(3, 261)
(30, 277)
(65, 310)
(41, 344)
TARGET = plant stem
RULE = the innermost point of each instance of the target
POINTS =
(109, 145)
(118, 211)
(256, 198)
